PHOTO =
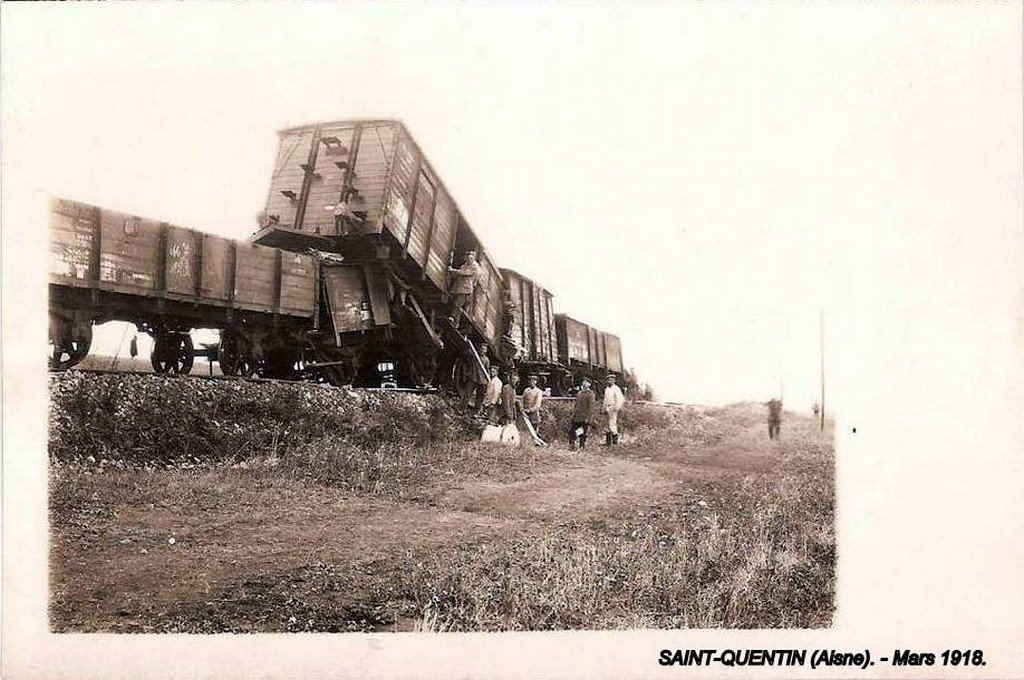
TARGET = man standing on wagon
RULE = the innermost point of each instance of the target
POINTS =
(463, 281)
(613, 401)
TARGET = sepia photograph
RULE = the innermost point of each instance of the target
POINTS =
(453, 450)
(633, 336)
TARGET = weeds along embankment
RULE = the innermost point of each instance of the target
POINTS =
(302, 507)
(112, 420)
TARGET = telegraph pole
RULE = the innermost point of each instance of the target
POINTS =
(782, 382)
(821, 336)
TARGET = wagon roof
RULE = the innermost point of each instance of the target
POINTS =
(405, 129)
(513, 272)
(344, 121)
(583, 323)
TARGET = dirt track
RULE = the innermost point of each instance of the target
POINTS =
(244, 540)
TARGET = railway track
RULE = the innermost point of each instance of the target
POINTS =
(251, 379)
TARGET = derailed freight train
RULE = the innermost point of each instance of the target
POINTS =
(348, 279)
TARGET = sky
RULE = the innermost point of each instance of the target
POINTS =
(706, 180)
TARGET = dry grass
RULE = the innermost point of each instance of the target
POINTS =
(174, 421)
(306, 509)
(757, 555)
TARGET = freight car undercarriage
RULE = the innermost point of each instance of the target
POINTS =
(409, 352)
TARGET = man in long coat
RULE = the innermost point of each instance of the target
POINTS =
(613, 402)
(581, 411)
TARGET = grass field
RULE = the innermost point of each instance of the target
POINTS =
(314, 509)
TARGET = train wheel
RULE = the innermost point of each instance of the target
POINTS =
(228, 354)
(172, 353)
(70, 344)
(232, 357)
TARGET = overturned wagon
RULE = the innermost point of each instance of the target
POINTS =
(349, 277)
(363, 189)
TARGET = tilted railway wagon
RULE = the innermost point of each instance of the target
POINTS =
(363, 189)
(347, 278)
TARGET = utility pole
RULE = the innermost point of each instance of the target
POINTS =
(821, 335)
(782, 383)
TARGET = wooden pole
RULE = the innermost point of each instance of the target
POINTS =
(821, 335)
(782, 383)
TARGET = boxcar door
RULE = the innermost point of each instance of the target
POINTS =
(348, 297)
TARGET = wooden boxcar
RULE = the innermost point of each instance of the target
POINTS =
(586, 350)
(167, 279)
(342, 185)
(109, 251)
(613, 353)
(531, 320)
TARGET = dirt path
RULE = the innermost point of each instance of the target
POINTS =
(120, 570)
(582, 487)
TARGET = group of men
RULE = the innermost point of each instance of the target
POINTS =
(497, 402)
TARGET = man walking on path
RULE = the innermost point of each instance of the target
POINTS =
(581, 411)
(774, 418)
(613, 401)
(492, 395)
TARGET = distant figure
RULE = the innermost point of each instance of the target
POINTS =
(581, 411)
(774, 418)
(816, 409)
(532, 399)
(463, 281)
(492, 395)
(613, 401)
(508, 400)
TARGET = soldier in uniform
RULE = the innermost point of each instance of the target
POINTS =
(532, 399)
(463, 281)
(492, 395)
(482, 377)
(581, 411)
(508, 400)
